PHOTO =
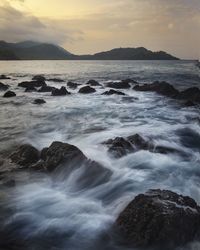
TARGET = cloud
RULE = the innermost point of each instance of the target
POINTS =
(17, 25)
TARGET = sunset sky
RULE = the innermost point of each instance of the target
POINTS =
(89, 26)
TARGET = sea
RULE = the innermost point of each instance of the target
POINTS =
(40, 213)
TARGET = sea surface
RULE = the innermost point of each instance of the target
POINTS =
(62, 215)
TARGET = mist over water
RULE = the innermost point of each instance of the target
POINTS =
(76, 210)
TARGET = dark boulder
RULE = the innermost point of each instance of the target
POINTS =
(113, 92)
(162, 88)
(192, 94)
(160, 219)
(30, 89)
(55, 80)
(25, 155)
(61, 153)
(33, 84)
(60, 92)
(93, 83)
(189, 104)
(39, 101)
(86, 90)
(72, 85)
(120, 146)
(9, 94)
(4, 77)
(118, 85)
(39, 78)
(3, 87)
(46, 89)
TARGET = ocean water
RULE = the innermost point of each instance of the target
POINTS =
(58, 213)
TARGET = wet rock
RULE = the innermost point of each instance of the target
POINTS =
(3, 87)
(128, 80)
(39, 78)
(113, 92)
(189, 104)
(160, 219)
(93, 83)
(72, 85)
(39, 101)
(4, 77)
(60, 92)
(86, 90)
(60, 153)
(9, 94)
(118, 85)
(25, 155)
(46, 89)
(30, 89)
(162, 88)
(55, 80)
(120, 146)
(192, 94)
(33, 84)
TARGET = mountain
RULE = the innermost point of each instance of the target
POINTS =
(30, 50)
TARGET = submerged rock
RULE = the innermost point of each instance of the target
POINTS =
(60, 92)
(159, 219)
(189, 104)
(72, 85)
(39, 78)
(93, 83)
(25, 155)
(113, 92)
(39, 101)
(162, 88)
(9, 94)
(119, 85)
(3, 87)
(33, 84)
(55, 80)
(191, 94)
(4, 77)
(46, 89)
(86, 90)
(30, 89)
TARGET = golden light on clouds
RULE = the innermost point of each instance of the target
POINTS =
(94, 25)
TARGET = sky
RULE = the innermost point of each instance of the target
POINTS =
(90, 26)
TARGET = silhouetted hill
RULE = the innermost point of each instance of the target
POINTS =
(29, 50)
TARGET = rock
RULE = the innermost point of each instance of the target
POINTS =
(192, 94)
(86, 90)
(118, 85)
(60, 153)
(93, 83)
(33, 84)
(46, 89)
(72, 85)
(128, 80)
(159, 219)
(120, 147)
(60, 92)
(9, 94)
(30, 89)
(25, 155)
(113, 92)
(39, 78)
(55, 80)
(162, 88)
(189, 104)
(39, 101)
(4, 77)
(3, 87)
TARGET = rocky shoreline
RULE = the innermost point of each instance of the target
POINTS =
(157, 218)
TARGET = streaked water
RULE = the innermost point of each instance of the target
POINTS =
(61, 214)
